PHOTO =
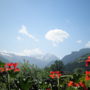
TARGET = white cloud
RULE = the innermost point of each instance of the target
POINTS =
(56, 36)
(33, 52)
(24, 31)
(87, 44)
(18, 38)
(36, 52)
(27, 52)
(5, 52)
(79, 41)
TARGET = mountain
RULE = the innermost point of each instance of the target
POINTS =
(79, 63)
(2, 59)
(40, 61)
(74, 55)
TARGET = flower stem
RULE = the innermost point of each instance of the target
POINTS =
(58, 83)
(8, 77)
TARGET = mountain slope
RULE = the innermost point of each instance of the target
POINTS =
(74, 55)
(78, 63)
(2, 59)
(40, 61)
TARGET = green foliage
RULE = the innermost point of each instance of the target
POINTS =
(1, 64)
(79, 63)
(31, 77)
(87, 83)
(57, 66)
(72, 88)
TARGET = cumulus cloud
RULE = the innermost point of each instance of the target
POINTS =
(5, 52)
(87, 44)
(36, 52)
(79, 41)
(32, 52)
(18, 38)
(24, 31)
(27, 52)
(56, 36)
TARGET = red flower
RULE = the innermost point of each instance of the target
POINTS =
(88, 61)
(15, 65)
(87, 75)
(1, 69)
(52, 72)
(87, 72)
(88, 57)
(8, 64)
(76, 85)
(58, 75)
(16, 70)
(71, 83)
(8, 69)
(11, 66)
(83, 85)
(55, 74)
(52, 76)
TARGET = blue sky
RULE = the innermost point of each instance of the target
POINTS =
(44, 26)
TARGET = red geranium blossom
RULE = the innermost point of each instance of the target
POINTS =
(48, 89)
(80, 84)
(76, 85)
(87, 75)
(16, 70)
(71, 83)
(52, 72)
(10, 66)
(58, 75)
(52, 76)
(83, 85)
(15, 65)
(8, 69)
(55, 74)
(1, 69)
